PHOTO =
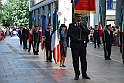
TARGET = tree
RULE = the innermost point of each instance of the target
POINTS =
(0, 10)
(15, 12)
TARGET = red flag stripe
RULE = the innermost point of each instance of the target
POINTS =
(56, 53)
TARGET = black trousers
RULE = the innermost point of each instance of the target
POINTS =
(20, 40)
(76, 53)
(36, 48)
(30, 43)
(107, 51)
(48, 53)
(96, 40)
(24, 43)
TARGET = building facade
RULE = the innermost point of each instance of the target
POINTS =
(43, 7)
(109, 14)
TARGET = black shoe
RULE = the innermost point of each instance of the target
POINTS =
(63, 66)
(37, 54)
(46, 60)
(106, 58)
(86, 77)
(28, 50)
(109, 58)
(76, 77)
(51, 61)
(60, 65)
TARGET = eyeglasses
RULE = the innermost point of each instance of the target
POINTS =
(78, 16)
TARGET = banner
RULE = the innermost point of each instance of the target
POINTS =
(30, 19)
(109, 4)
(43, 24)
(84, 6)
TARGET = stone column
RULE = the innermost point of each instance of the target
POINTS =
(118, 11)
(46, 12)
(36, 17)
(103, 4)
(51, 12)
(33, 15)
(123, 33)
(41, 13)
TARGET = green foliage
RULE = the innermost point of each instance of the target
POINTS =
(16, 12)
(0, 11)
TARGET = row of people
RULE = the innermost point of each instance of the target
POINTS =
(78, 33)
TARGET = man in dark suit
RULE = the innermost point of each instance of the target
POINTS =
(96, 37)
(107, 41)
(36, 40)
(48, 35)
(20, 34)
(25, 36)
(78, 33)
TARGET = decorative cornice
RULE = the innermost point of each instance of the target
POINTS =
(42, 3)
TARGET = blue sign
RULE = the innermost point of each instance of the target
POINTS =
(109, 4)
(43, 24)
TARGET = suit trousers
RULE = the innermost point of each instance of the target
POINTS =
(20, 40)
(76, 53)
(48, 53)
(107, 51)
(96, 40)
(24, 43)
(30, 43)
(36, 48)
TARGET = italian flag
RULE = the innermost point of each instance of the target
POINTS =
(100, 21)
(55, 46)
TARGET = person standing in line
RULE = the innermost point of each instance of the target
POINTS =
(20, 34)
(30, 38)
(36, 40)
(107, 39)
(48, 36)
(78, 33)
(63, 44)
(96, 37)
(25, 36)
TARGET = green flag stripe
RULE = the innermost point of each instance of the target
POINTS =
(30, 19)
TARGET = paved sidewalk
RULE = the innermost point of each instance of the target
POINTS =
(19, 66)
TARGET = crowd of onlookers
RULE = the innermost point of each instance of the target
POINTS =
(8, 31)
(116, 35)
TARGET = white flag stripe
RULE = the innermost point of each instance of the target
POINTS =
(54, 41)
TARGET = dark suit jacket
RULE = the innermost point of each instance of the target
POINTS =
(48, 37)
(74, 34)
(96, 34)
(63, 39)
(36, 36)
(106, 38)
(19, 33)
(25, 33)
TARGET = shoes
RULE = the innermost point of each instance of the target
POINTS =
(60, 65)
(63, 66)
(107, 58)
(76, 77)
(37, 54)
(51, 61)
(46, 60)
(86, 77)
(28, 50)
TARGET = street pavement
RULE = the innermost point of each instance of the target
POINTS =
(19, 66)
